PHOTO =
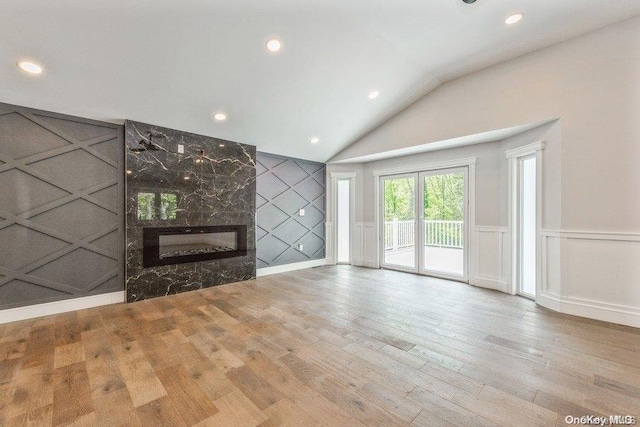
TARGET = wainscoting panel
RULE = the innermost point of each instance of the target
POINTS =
(284, 186)
(487, 253)
(369, 248)
(591, 274)
(61, 222)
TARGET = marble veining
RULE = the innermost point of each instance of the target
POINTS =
(212, 183)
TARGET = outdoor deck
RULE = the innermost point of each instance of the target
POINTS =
(446, 260)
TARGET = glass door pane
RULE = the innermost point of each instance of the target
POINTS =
(443, 224)
(399, 221)
(343, 222)
(528, 226)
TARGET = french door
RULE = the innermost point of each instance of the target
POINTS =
(424, 223)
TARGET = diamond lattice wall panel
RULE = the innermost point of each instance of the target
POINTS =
(61, 183)
(79, 218)
(21, 192)
(13, 127)
(285, 186)
(75, 170)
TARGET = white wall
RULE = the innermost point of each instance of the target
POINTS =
(592, 179)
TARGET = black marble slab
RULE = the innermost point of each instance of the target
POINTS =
(212, 183)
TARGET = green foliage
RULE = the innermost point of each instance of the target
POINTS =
(399, 199)
(443, 198)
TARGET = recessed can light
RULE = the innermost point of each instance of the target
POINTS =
(514, 18)
(315, 140)
(30, 67)
(273, 45)
(221, 117)
(373, 94)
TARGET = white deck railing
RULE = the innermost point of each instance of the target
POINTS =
(445, 234)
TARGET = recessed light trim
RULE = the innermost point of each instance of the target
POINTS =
(273, 45)
(514, 18)
(220, 117)
(314, 140)
(373, 94)
(30, 67)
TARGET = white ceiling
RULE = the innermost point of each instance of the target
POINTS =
(174, 62)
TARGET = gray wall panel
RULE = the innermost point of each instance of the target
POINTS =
(285, 185)
(61, 181)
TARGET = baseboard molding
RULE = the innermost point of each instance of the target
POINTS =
(490, 283)
(624, 315)
(57, 307)
(369, 263)
(266, 271)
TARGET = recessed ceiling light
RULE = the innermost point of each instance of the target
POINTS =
(315, 140)
(373, 94)
(186, 178)
(221, 117)
(30, 67)
(129, 172)
(514, 18)
(273, 45)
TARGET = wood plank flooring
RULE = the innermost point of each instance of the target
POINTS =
(330, 346)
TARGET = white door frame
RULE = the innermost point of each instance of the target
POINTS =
(416, 221)
(515, 157)
(469, 162)
(333, 208)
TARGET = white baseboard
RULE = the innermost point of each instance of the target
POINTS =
(57, 307)
(490, 283)
(369, 263)
(613, 313)
(266, 271)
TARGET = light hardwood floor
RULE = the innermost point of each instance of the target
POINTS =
(332, 346)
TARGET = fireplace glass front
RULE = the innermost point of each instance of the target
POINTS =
(176, 245)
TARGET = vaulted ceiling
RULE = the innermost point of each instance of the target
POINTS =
(175, 63)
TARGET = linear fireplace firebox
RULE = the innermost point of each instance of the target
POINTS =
(178, 245)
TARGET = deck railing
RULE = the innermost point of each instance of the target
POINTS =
(401, 234)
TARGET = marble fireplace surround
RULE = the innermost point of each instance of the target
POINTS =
(213, 183)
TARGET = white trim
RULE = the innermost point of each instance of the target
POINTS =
(593, 235)
(514, 156)
(491, 229)
(343, 175)
(57, 307)
(614, 313)
(332, 207)
(267, 271)
(490, 282)
(448, 164)
(525, 150)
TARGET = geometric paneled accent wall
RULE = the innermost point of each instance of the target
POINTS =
(61, 204)
(284, 186)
